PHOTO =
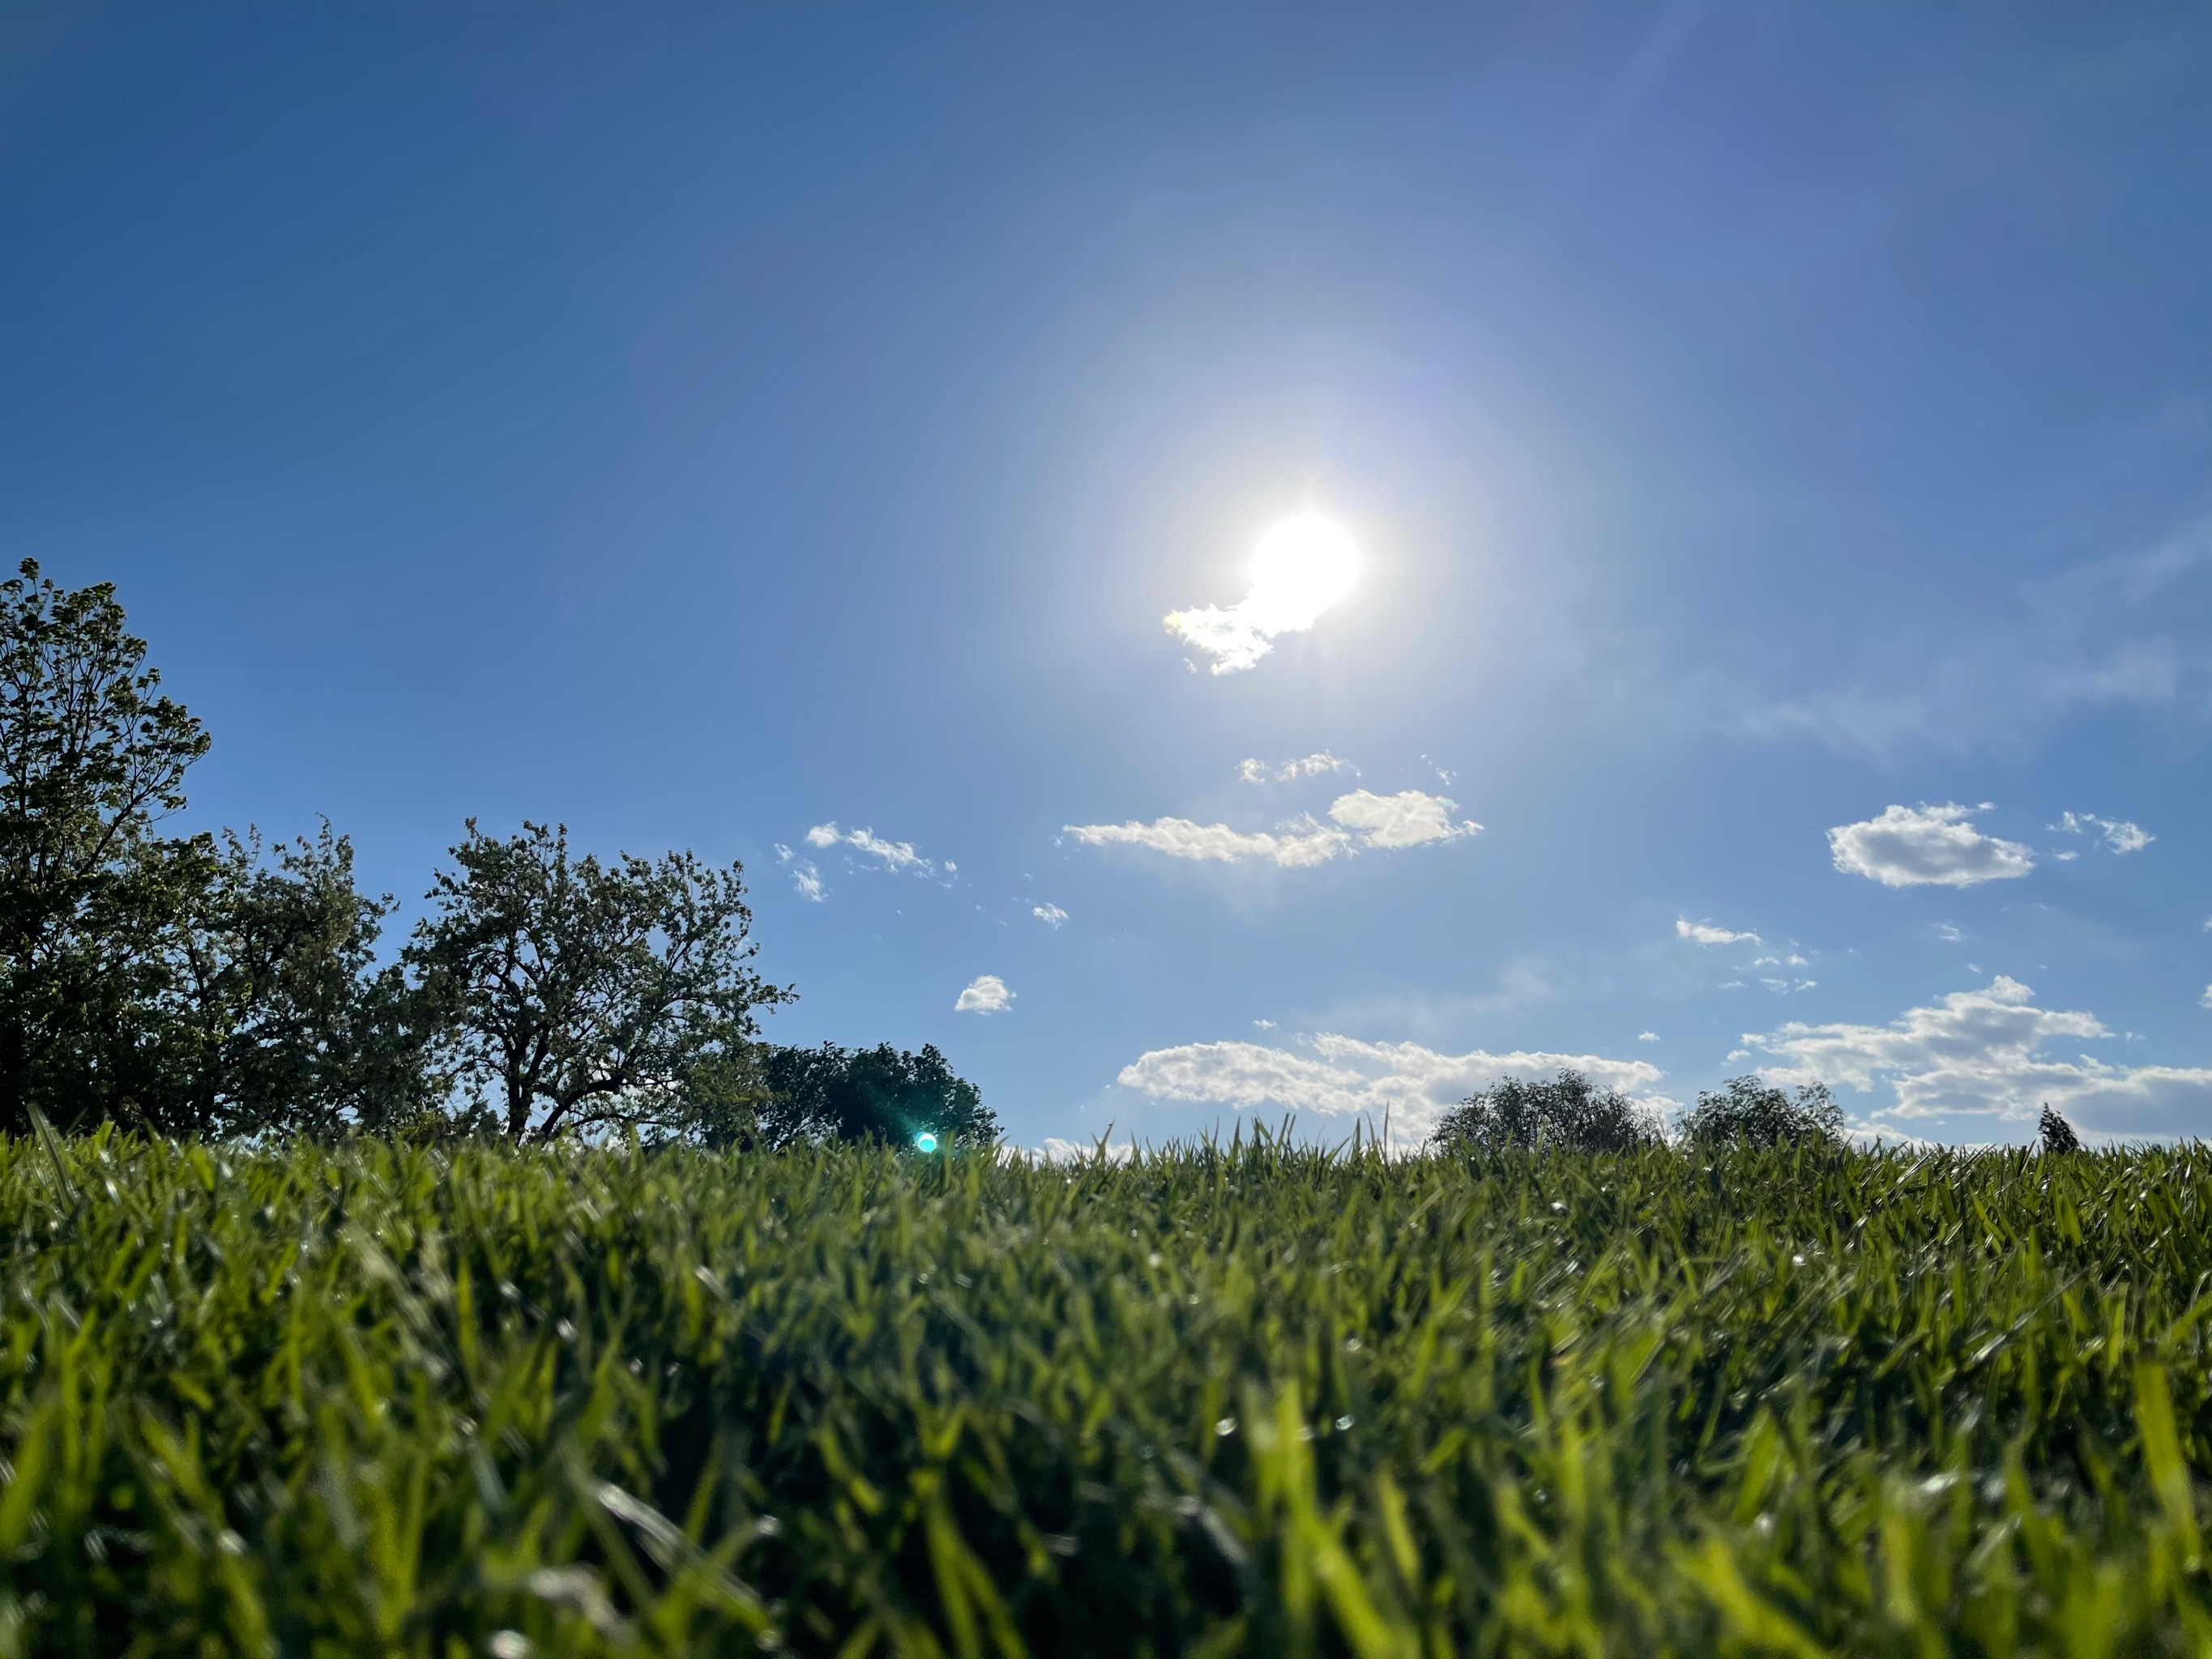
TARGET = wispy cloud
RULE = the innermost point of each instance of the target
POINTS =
(2117, 835)
(1359, 821)
(1306, 766)
(1647, 1036)
(1050, 915)
(1707, 932)
(1973, 1062)
(803, 876)
(897, 856)
(1926, 846)
(1343, 1076)
(986, 993)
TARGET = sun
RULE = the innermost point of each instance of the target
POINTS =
(1301, 568)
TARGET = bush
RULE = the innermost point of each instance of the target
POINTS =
(1569, 1112)
(1747, 1111)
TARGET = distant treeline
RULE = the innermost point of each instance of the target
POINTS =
(205, 985)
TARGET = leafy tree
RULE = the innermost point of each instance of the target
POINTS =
(878, 1094)
(1748, 1111)
(2056, 1133)
(92, 757)
(1569, 1111)
(276, 1016)
(585, 994)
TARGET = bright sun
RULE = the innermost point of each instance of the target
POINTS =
(1301, 568)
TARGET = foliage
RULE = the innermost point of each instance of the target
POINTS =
(92, 757)
(876, 1094)
(589, 994)
(2056, 1133)
(1568, 1111)
(1747, 1111)
(1252, 1398)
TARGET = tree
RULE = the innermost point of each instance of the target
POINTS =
(1748, 1111)
(92, 757)
(276, 1016)
(1570, 1111)
(588, 994)
(877, 1094)
(2057, 1134)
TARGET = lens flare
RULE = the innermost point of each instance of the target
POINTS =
(925, 1142)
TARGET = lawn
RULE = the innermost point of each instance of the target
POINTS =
(1251, 1399)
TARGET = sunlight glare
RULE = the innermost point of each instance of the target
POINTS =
(1301, 568)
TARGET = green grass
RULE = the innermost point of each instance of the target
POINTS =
(381, 1400)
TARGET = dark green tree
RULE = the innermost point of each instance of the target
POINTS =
(879, 1094)
(1748, 1111)
(92, 757)
(585, 994)
(1569, 1111)
(276, 1016)
(2056, 1133)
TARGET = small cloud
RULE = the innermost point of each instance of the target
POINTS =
(1265, 1024)
(986, 993)
(1948, 933)
(1361, 821)
(1056, 1149)
(1796, 961)
(1306, 766)
(1926, 847)
(806, 878)
(1647, 1036)
(1444, 773)
(1050, 915)
(897, 856)
(782, 853)
(2117, 833)
(2206, 999)
(1704, 932)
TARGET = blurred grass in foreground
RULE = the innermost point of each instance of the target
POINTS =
(1259, 1399)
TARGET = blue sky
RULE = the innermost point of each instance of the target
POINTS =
(1769, 434)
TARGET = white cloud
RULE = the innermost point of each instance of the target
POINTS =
(1409, 818)
(1926, 846)
(1948, 933)
(1050, 915)
(2206, 999)
(808, 880)
(1056, 1149)
(986, 993)
(1971, 1062)
(1265, 1024)
(1251, 771)
(1647, 1036)
(1344, 1077)
(1306, 766)
(897, 856)
(1301, 568)
(1704, 932)
(2117, 833)
(1362, 820)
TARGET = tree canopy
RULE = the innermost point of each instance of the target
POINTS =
(1568, 1111)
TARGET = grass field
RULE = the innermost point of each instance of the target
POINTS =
(382, 1400)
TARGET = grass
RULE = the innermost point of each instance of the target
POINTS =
(1257, 1400)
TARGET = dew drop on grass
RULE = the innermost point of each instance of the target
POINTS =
(1225, 1427)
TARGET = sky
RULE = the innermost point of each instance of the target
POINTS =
(1775, 442)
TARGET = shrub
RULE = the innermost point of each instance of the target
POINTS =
(1747, 1111)
(2057, 1134)
(1569, 1112)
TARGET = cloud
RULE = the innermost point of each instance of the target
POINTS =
(1050, 915)
(1265, 1024)
(1647, 1036)
(1301, 568)
(1362, 820)
(1306, 766)
(897, 856)
(1948, 932)
(986, 993)
(1704, 932)
(1056, 1149)
(2117, 833)
(1926, 847)
(2206, 999)
(1973, 1064)
(803, 876)
(1343, 1076)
